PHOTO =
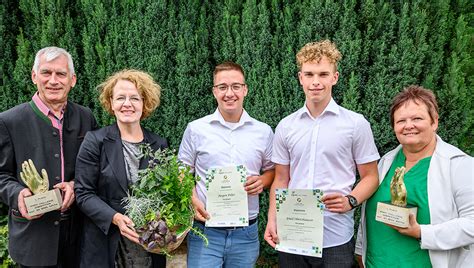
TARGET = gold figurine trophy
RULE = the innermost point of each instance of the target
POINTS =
(42, 200)
(396, 212)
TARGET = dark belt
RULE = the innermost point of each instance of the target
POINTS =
(251, 222)
(65, 215)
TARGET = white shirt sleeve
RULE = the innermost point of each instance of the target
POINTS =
(187, 149)
(280, 154)
(364, 148)
(267, 160)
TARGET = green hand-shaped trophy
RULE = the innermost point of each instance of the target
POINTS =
(42, 200)
(396, 212)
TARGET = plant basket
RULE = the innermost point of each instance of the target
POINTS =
(163, 241)
(160, 202)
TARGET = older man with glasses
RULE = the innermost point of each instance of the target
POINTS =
(228, 137)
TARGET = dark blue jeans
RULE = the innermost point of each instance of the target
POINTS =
(341, 256)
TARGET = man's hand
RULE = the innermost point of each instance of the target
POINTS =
(412, 230)
(337, 203)
(359, 261)
(271, 233)
(253, 185)
(125, 225)
(67, 189)
(200, 212)
(282, 177)
(22, 206)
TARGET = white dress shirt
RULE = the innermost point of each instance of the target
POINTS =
(323, 153)
(211, 142)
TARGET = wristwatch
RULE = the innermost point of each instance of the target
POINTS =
(352, 201)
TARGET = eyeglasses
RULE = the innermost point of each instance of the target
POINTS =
(122, 99)
(236, 87)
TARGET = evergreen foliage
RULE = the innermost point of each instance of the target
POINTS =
(8, 32)
(386, 45)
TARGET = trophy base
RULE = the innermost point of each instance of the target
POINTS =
(394, 215)
(43, 202)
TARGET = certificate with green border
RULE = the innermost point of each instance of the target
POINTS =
(227, 201)
(300, 221)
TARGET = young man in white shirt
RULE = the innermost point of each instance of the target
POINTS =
(320, 146)
(227, 137)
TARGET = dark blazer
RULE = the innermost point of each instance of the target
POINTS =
(25, 134)
(101, 184)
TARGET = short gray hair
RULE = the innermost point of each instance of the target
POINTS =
(52, 53)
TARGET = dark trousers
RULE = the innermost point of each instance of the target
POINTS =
(341, 256)
(66, 250)
(158, 260)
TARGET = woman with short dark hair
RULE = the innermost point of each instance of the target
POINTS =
(439, 181)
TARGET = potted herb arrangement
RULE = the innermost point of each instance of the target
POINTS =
(160, 202)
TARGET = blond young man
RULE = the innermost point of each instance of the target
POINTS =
(320, 146)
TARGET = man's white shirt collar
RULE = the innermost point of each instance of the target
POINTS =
(332, 107)
(217, 117)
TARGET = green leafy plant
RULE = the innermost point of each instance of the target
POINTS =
(160, 202)
(5, 259)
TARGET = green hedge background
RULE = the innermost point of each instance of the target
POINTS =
(386, 45)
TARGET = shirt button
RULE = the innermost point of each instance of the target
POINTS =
(56, 223)
(55, 133)
(56, 155)
(57, 178)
